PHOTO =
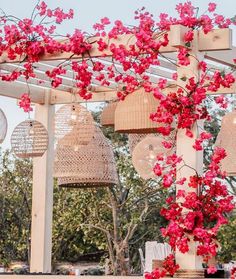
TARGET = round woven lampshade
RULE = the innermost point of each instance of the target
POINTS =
(76, 118)
(226, 140)
(145, 153)
(29, 139)
(90, 166)
(133, 114)
(108, 114)
(134, 139)
(3, 126)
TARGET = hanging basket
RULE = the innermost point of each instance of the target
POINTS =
(74, 126)
(90, 166)
(145, 153)
(29, 139)
(3, 126)
(108, 114)
(226, 140)
(133, 114)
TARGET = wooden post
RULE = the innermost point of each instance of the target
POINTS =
(190, 264)
(42, 199)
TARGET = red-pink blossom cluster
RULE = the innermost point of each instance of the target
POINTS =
(25, 102)
(199, 216)
(169, 267)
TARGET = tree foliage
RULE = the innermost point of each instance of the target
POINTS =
(15, 207)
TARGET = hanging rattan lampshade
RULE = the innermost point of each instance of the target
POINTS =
(29, 139)
(90, 166)
(108, 114)
(227, 140)
(3, 126)
(76, 118)
(145, 153)
(133, 114)
(134, 139)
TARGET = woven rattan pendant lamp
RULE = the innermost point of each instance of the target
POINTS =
(108, 114)
(227, 140)
(74, 126)
(133, 114)
(29, 139)
(134, 139)
(145, 153)
(90, 166)
(3, 126)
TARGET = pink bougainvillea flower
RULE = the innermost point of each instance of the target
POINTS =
(211, 270)
(25, 102)
(211, 7)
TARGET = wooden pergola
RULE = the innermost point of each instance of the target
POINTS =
(215, 47)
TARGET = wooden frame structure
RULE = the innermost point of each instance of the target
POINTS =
(216, 47)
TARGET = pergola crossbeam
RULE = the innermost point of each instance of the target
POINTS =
(16, 89)
(218, 39)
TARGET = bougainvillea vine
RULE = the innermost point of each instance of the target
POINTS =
(191, 215)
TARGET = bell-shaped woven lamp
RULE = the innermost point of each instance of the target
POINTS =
(227, 140)
(29, 139)
(145, 153)
(133, 114)
(108, 114)
(90, 166)
(77, 118)
(3, 126)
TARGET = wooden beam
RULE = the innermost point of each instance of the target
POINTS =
(58, 97)
(218, 39)
(214, 40)
(16, 89)
(42, 196)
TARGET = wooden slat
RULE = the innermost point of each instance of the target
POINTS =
(218, 39)
(224, 57)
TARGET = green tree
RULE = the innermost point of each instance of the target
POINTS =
(15, 207)
(227, 236)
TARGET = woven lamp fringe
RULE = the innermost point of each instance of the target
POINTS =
(133, 114)
(90, 166)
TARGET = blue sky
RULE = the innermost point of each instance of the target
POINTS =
(87, 12)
